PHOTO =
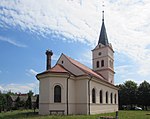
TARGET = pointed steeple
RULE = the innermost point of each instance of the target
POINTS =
(103, 35)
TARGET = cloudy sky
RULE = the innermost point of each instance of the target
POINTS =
(72, 27)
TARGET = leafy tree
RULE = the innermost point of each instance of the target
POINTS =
(30, 93)
(29, 100)
(128, 94)
(8, 102)
(2, 102)
(20, 103)
(131, 92)
(122, 96)
(144, 94)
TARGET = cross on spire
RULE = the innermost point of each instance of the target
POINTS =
(103, 35)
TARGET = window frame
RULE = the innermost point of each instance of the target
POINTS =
(101, 96)
(93, 95)
(106, 97)
(57, 95)
(102, 63)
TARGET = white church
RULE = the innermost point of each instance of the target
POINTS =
(72, 88)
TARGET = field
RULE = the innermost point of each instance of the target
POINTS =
(28, 114)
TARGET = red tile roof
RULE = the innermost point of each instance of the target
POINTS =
(58, 68)
(84, 68)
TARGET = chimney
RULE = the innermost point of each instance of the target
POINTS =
(49, 54)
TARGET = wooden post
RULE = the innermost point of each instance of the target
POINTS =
(117, 115)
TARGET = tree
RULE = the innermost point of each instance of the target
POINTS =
(2, 102)
(131, 92)
(30, 93)
(8, 102)
(144, 94)
(128, 94)
(29, 100)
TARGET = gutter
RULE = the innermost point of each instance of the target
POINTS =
(89, 110)
(67, 94)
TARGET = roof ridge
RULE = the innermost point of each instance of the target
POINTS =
(89, 71)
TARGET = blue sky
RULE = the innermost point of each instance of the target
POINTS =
(29, 27)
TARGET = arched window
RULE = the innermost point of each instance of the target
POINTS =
(106, 97)
(115, 99)
(57, 93)
(93, 96)
(101, 96)
(97, 64)
(102, 63)
(111, 98)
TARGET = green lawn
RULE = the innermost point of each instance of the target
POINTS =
(30, 115)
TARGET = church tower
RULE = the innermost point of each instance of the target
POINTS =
(103, 56)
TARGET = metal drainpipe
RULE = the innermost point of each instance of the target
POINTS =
(89, 92)
(67, 94)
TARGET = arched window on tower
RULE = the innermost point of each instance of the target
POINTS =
(107, 97)
(111, 98)
(57, 93)
(102, 63)
(101, 96)
(93, 96)
(97, 64)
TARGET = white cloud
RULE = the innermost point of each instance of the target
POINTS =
(23, 88)
(127, 23)
(1, 88)
(13, 42)
(123, 70)
(31, 72)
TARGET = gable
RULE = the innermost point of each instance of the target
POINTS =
(63, 60)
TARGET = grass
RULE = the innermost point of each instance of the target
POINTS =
(28, 114)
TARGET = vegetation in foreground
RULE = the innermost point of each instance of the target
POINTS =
(29, 114)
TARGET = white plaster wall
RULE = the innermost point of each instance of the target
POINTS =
(107, 55)
(81, 96)
(71, 96)
(46, 93)
(102, 108)
(44, 96)
(43, 108)
(68, 65)
(78, 95)
(61, 81)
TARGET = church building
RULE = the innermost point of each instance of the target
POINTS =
(72, 88)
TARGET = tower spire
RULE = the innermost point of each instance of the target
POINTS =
(103, 35)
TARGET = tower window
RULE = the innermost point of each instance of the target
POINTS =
(93, 96)
(62, 61)
(57, 93)
(99, 53)
(102, 63)
(111, 63)
(97, 64)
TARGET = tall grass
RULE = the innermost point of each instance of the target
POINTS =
(28, 114)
